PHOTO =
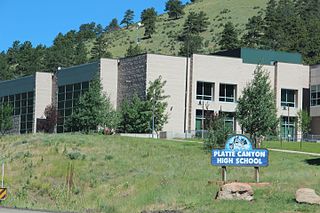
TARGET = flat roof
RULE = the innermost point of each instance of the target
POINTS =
(259, 56)
(16, 86)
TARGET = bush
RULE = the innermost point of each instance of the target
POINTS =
(76, 155)
(218, 132)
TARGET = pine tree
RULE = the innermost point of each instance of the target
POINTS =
(229, 37)
(113, 25)
(133, 50)
(174, 8)
(256, 110)
(93, 110)
(99, 49)
(6, 120)
(191, 44)
(5, 73)
(271, 29)
(254, 32)
(195, 23)
(128, 18)
(148, 19)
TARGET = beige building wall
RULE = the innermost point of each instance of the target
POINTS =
(43, 95)
(295, 77)
(227, 70)
(173, 70)
(315, 80)
(109, 78)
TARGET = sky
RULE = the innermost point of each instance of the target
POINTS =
(39, 21)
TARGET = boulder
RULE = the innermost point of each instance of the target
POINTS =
(235, 191)
(305, 195)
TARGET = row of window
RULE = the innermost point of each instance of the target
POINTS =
(227, 93)
(201, 115)
(23, 106)
(68, 97)
(205, 91)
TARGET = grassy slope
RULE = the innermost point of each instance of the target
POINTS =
(164, 40)
(130, 175)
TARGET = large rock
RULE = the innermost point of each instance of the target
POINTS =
(305, 195)
(235, 191)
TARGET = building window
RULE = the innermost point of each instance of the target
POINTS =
(201, 116)
(288, 130)
(205, 91)
(23, 106)
(288, 97)
(227, 93)
(68, 97)
(315, 95)
(229, 120)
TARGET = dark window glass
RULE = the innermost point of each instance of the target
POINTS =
(68, 95)
(23, 110)
(24, 95)
(61, 105)
(30, 109)
(61, 97)
(11, 98)
(5, 99)
(17, 104)
(62, 89)
(23, 118)
(85, 85)
(30, 94)
(30, 102)
(18, 97)
(67, 112)
(69, 88)
(76, 94)
(77, 86)
(24, 103)
(17, 111)
(68, 104)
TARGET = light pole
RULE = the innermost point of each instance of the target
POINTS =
(138, 26)
(153, 114)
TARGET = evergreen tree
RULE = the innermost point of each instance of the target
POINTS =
(156, 103)
(254, 32)
(98, 30)
(174, 8)
(5, 73)
(80, 54)
(271, 29)
(99, 49)
(86, 31)
(113, 25)
(191, 44)
(229, 37)
(92, 111)
(128, 18)
(135, 116)
(195, 23)
(148, 19)
(304, 122)
(137, 113)
(6, 120)
(133, 50)
(256, 110)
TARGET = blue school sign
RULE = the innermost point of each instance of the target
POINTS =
(238, 152)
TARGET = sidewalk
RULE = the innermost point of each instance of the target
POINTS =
(276, 150)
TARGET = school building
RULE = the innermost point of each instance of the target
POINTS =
(196, 85)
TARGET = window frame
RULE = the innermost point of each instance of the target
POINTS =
(224, 97)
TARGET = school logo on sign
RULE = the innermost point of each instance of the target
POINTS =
(238, 152)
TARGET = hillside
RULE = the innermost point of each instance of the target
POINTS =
(119, 174)
(164, 41)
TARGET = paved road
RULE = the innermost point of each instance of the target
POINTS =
(6, 210)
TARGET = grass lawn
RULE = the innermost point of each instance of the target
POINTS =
(119, 174)
(296, 146)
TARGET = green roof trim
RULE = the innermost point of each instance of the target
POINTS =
(17, 86)
(268, 57)
(77, 74)
(263, 57)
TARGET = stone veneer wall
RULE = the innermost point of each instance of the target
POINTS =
(132, 77)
